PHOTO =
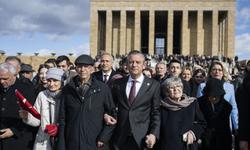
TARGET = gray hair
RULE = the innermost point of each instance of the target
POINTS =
(13, 58)
(105, 53)
(172, 80)
(161, 62)
(4, 67)
(134, 52)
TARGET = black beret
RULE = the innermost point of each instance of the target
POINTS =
(84, 59)
(214, 87)
(26, 67)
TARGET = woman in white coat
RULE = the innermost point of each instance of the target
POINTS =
(47, 104)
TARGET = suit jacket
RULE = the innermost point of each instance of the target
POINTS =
(143, 116)
(99, 77)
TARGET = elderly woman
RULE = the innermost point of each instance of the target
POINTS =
(182, 122)
(217, 70)
(216, 111)
(47, 104)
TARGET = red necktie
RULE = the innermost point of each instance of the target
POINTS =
(132, 93)
(105, 79)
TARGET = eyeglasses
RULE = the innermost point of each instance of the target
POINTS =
(218, 70)
(175, 87)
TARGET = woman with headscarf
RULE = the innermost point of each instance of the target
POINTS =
(47, 104)
(216, 111)
(182, 122)
(217, 70)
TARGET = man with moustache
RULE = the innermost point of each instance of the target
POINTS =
(138, 99)
(160, 69)
(106, 72)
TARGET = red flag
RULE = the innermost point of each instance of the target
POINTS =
(25, 104)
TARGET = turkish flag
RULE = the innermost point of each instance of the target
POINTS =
(25, 104)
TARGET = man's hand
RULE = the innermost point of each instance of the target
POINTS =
(243, 145)
(6, 133)
(100, 143)
(150, 140)
(109, 119)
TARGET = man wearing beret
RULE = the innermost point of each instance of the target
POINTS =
(84, 102)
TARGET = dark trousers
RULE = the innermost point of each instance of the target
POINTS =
(130, 144)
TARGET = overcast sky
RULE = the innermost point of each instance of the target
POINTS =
(62, 27)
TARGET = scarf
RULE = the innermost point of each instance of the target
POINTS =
(217, 107)
(53, 95)
(170, 104)
(82, 89)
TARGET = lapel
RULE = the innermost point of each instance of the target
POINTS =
(123, 86)
(111, 75)
(144, 87)
(99, 76)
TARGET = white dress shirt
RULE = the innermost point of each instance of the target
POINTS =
(138, 85)
(108, 75)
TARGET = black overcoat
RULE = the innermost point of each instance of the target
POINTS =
(217, 135)
(23, 138)
(244, 112)
(82, 121)
(176, 123)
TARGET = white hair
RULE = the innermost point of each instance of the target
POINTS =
(4, 67)
(172, 80)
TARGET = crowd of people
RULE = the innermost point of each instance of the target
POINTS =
(146, 102)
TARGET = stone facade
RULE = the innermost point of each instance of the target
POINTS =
(35, 61)
(191, 27)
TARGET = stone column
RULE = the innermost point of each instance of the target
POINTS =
(223, 36)
(215, 34)
(137, 36)
(231, 33)
(123, 32)
(220, 35)
(200, 35)
(170, 35)
(93, 49)
(184, 37)
(109, 32)
(151, 41)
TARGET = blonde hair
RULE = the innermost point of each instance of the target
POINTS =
(187, 68)
(225, 73)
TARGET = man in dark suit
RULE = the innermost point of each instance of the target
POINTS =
(138, 99)
(106, 72)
